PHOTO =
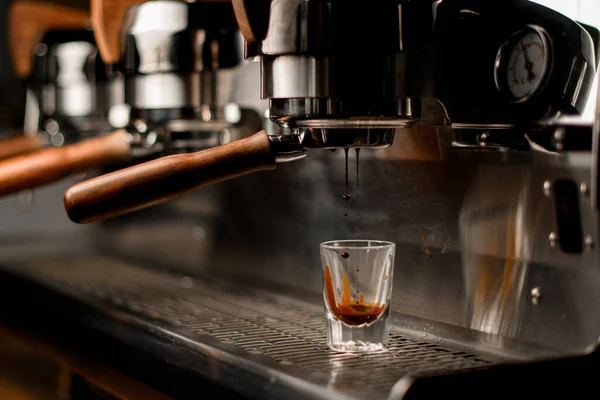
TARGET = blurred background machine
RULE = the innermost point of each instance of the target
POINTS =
(482, 168)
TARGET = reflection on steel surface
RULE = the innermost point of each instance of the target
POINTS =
(494, 224)
(510, 257)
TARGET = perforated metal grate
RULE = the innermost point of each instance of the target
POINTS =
(259, 322)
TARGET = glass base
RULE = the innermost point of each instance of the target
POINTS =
(355, 347)
(372, 337)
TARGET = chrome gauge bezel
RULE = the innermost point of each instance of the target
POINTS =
(503, 57)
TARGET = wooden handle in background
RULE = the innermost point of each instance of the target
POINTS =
(28, 21)
(253, 18)
(161, 180)
(15, 145)
(108, 18)
(51, 165)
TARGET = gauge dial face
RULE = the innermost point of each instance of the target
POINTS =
(527, 60)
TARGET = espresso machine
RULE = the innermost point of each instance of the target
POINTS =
(452, 128)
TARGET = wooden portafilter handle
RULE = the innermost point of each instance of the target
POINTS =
(53, 164)
(253, 18)
(15, 145)
(167, 178)
(108, 17)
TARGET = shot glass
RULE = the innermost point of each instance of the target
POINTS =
(357, 288)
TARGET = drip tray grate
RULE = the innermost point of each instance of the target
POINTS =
(259, 322)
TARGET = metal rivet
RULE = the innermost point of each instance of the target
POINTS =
(589, 242)
(583, 189)
(552, 239)
(547, 188)
(536, 295)
(559, 135)
(483, 139)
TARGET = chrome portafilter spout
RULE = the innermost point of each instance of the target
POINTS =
(331, 75)
(292, 147)
(332, 72)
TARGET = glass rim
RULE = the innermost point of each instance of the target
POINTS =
(352, 244)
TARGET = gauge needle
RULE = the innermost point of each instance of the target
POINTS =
(528, 63)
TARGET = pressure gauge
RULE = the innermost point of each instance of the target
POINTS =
(523, 63)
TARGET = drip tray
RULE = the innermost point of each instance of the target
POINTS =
(284, 336)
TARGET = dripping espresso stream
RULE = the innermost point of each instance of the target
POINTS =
(347, 197)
